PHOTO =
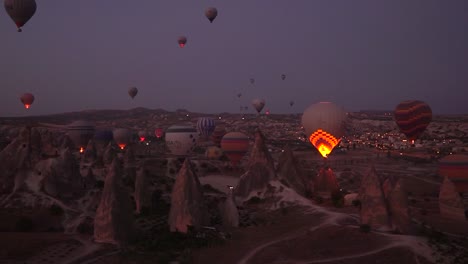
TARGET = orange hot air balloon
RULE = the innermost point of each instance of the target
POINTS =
(235, 145)
(27, 99)
(324, 125)
(455, 167)
(413, 117)
(182, 41)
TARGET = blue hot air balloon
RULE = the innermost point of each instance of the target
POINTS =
(206, 126)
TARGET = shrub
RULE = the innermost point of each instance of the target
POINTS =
(24, 224)
(55, 210)
(365, 228)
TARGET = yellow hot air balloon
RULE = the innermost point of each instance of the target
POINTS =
(324, 125)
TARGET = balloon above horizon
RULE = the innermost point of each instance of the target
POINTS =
(211, 13)
(132, 91)
(182, 40)
(413, 117)
(258, 104)
(324, 126)
(20, 11)
(27, 99)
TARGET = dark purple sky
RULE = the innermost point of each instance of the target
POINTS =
(369, 54)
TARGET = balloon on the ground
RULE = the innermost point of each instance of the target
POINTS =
(283, 76)
(181, 139)
(455, 167)
(235, 145)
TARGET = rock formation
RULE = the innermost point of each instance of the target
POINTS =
(374, 211)
(109, 154)
(142, 195)
(450, 203)
(113, 222)
(400, 214)
(229, 213)
(187, 203)
(290, 171)
(325, 184)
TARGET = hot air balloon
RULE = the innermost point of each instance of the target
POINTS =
(133, 91)
(455, 167)
(182, 40)
(158, 132)
(258, 104)
(27, 99)
(413, 117)
(252, 81)
(283, 76)
(206, 126)
(180, 139)
(291, 103)
(142, 135)
(235, 145)
(211, 13)
(20, 11)
(239, 95)
(324, 125)
(80, 132)
(218, 134)
(267, 112)
(122, 137)
(213, 152)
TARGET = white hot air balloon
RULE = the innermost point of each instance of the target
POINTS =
(180, 139)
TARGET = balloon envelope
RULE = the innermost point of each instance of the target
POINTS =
(122, 137)
(324, 125)
(413, 117)
(218, 134)
(180, 139)
(182, 41)
(132, 91)
(206, 126)
(20, 11)
(455, 167)
(211, 13)
(158, 132)
(235, 145)
(283, 76)
(27, 99)
(80, 132)
(258, 104)
(142, 135)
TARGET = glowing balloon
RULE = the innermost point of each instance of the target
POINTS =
(27, 99)
(142, 135)
(80, 132)
(158, 132)
(324, 125)
(182, 41)
(413, 117)
(122, 137)
(235, 145)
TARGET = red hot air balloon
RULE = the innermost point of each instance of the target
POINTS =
(20, 11)
(182, 41)
(142, 135)
(158, 132)
(455, 167)
(27, 99)
(413, 117)
(235, 145)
